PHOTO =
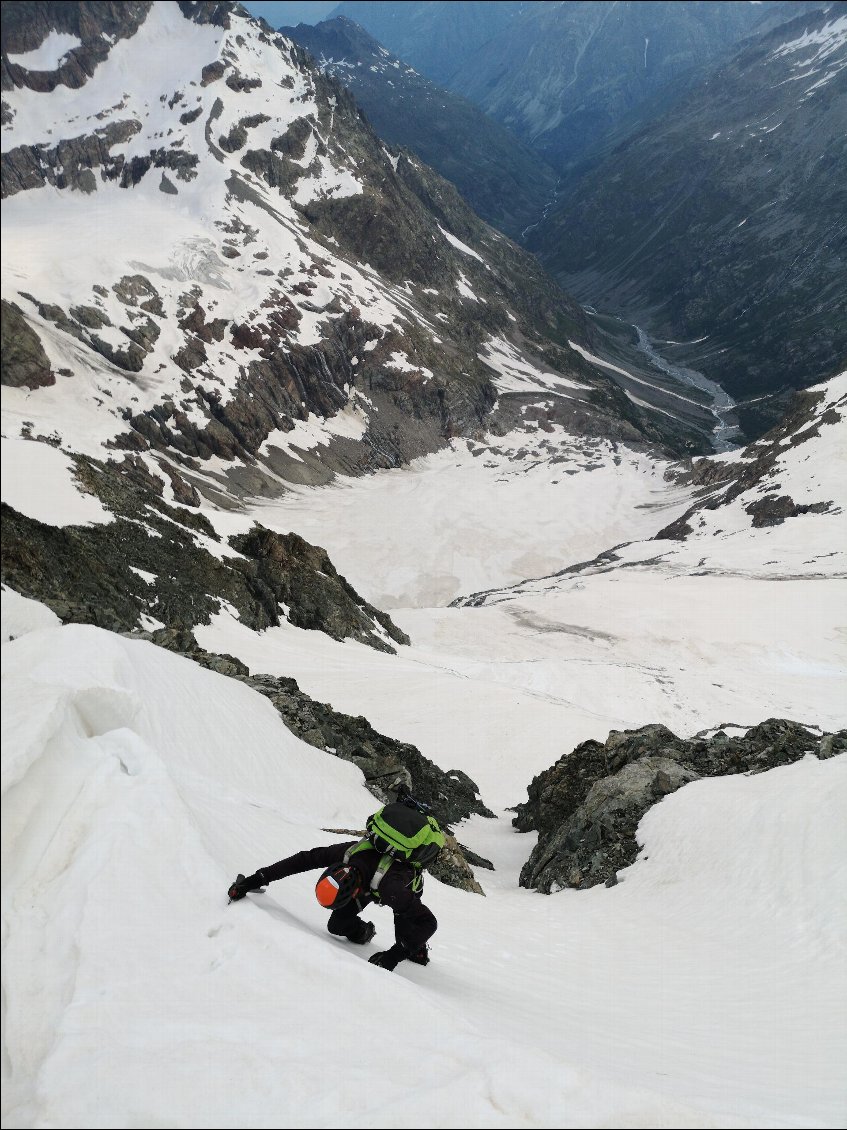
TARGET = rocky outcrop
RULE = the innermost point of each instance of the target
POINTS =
(72, 162)
(587, 807)
(756, 473)
(23, 362)
(96, 24)
(385, 762)
(502, 180)
(97, 574)
(301, 576)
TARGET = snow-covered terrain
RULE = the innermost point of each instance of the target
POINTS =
(702, 991)
(158, 288)
(706, 988)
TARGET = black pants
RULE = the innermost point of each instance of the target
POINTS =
(345, 922)
(411, 929)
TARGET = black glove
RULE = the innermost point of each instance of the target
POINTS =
(243, 886)
(421, 956)
(390, 959)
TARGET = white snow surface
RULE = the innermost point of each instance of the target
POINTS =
(706, 990)
(224, 238)
(38, 481)
(49, 54)
(454, 241)
(703, 991)
(516, 373)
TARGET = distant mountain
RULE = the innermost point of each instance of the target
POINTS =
(502, 180)
(437, 38)
(218, 280)
(563, 77)
(725, 220)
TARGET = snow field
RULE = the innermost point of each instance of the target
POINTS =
(700, 992)
(59, 245)
(502, 692)
(38, 481)
(467, 518)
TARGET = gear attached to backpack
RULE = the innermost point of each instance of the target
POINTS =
(338, 885)
(404, 830)
(401, 831)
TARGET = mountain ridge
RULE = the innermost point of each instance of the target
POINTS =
(744, 254)
(502, 180)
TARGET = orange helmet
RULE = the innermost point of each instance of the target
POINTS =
(338, 885)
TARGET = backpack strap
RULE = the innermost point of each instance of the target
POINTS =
(379, 874)
(381, 867)
(362, 845)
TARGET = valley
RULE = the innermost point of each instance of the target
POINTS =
(315, 487)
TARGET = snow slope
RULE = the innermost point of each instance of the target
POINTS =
(702, 991)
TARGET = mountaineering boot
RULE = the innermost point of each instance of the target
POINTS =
(390, 959)
(361, 932)
(420, 956)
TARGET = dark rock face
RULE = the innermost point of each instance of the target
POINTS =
(502, 180)
(438, 38)
(384, 761)
(773, 511)
(23, 362)
(302, 577)
(70, 164)
(87, 574)
(27, 23)
(568, 77)
(562, 77)
(587, 807)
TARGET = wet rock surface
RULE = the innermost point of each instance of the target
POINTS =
(587, 807)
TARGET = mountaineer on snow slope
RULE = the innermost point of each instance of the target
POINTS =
(386, 867)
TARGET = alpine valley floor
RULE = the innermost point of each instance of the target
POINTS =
(705, 990)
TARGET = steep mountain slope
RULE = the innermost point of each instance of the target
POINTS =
(501, 179)
(724, 219)
(135, 784)
(565, 77)
(264, 258)
(175, 423)
(218, 281)
(437, 38)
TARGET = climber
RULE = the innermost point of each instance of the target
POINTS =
(385, 867)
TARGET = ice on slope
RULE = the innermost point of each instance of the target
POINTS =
(172, 47)
(474, 514)
(702, 991)
(515, 373)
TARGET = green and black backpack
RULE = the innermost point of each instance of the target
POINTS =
(399, 831)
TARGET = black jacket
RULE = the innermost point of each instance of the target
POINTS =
(414, 923)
